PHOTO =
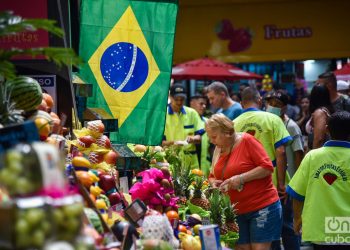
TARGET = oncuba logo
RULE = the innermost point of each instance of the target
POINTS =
(124, 66)
(337, 225)
(337, 230)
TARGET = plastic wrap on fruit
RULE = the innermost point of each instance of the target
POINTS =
(20, 170)
(158, 227)
(67, 217)
(82, 147)
(32, 224)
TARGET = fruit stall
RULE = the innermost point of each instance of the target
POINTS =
(78, 190)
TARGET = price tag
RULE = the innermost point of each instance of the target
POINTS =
(135, 212)
(50, 161)
(123, 184)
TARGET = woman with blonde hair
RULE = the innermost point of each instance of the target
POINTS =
(242, 168)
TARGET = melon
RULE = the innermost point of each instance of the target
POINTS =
(26, 93)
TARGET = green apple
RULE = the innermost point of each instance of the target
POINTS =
(8, 177)
(46, 227)
(24, 186)
(58, 215)
(22, 226)
(38, 238)
(15, 167)
(13, 156)
(73, 210)
(34, 216)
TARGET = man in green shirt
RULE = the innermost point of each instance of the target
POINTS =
(183, 126)
(268, 129)
(320, 189)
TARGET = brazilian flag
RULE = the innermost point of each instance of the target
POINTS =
(127, 49)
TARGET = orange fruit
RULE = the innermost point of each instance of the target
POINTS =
(172, 215)
(48, 99)
(197, 171)
(182, 228)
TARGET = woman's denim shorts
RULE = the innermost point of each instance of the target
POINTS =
(260, 226)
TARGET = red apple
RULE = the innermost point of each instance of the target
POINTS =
(86, 141)
(114, 198)
(103, 141)
(107, 182)
(95, 158)
(111, 157)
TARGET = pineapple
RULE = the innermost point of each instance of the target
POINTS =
(181, 175)
(229, 213)
(216, 215)
(8, 113)
(199, 198)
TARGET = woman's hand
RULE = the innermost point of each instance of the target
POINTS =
(229, 184)
(214, 183)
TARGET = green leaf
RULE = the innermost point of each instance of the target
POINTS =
(198, 210)
(230, 239)
(11, 24)
(61, 56)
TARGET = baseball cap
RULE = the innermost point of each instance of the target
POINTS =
(279, 95)
(178, 90)
(342, 85)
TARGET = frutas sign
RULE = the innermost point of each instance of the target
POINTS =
(255, 32)
(274, 32)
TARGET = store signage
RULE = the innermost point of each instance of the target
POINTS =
(261, 32)
(24, 40)
(274, 32)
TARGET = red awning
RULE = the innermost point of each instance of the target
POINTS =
(343, 73)
(210, 69)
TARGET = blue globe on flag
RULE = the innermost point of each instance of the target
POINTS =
(124, 67)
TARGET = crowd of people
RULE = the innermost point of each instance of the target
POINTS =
(276, 157)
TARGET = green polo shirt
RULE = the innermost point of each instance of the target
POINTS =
(268, 128)
(180, 125)
(323, 182)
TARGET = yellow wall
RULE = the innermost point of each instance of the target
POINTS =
(329, 22)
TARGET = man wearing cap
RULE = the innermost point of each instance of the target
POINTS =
(219, 97)
(339, 102)
(183, 126)
(199, 103)
(277, 104)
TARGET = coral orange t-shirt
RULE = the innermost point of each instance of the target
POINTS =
(247, 155)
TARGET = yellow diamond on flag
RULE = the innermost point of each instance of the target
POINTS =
(124, 66)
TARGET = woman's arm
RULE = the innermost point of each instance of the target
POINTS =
(319, 124)
(237, 181)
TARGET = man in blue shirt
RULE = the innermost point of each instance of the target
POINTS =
(219, 97)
